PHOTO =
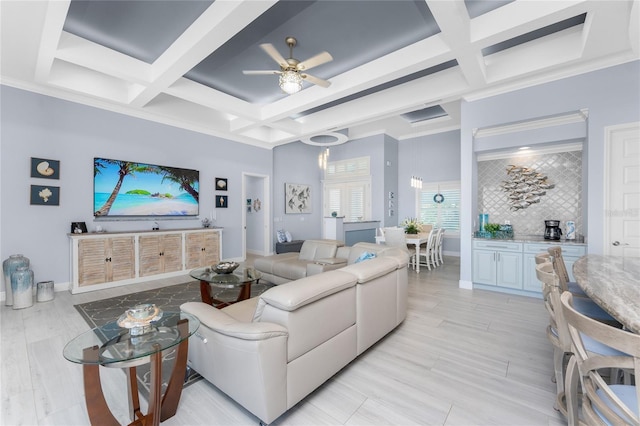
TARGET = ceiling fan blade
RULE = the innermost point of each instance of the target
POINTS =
(275, 55)
(260, 72)
(314, 61)
(315, 80)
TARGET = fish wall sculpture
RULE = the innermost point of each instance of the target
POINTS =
(524, 187)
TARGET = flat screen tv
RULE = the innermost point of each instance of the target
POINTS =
(130, 189)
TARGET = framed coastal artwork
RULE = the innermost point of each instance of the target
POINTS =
(221, 184)
(45, 169)
(45, 195)
(297, 198)
(221, 201)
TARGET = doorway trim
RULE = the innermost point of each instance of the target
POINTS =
(610, 132)
(266, 207)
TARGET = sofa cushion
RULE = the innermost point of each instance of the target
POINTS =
(316, 249)
(265, 264)
(367, 271)
(292, 269)
(293, 295)
(313, 309)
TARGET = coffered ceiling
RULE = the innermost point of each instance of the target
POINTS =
(399, 67)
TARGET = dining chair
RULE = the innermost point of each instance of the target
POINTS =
(427, 251)
(395, 237)
(438, 247)
(602, 403)
(561, 269)
(558, 336)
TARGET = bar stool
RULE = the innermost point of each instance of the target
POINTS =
(558, 335)
(602, 403)
(561, 269)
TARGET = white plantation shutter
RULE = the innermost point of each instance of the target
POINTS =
(356, 203)
(443, 215)
(334, 197)
(347, 189)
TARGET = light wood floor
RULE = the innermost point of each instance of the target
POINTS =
(460, 358)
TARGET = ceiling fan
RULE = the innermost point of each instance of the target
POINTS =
(291, 70)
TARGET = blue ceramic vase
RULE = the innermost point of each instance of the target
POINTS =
(9, 266)
(22, 287)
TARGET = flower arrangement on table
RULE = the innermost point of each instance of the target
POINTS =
(411, 225)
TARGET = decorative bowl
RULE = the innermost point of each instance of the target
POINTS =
(139, 318)
(225, 267)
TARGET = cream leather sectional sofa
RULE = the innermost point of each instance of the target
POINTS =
(316, 256)
(269, 352)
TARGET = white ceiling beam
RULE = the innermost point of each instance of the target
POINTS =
(454, 23)
(221, 21)
(389, 102)
(606, 29)
(192, 91)
(52, 28)
(96, 57)
(413, 58)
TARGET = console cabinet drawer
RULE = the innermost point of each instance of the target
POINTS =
(497, 245)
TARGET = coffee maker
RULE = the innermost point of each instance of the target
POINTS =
(552, 230)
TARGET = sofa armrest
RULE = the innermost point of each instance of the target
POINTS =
(223, 323)
(371, 269)
(318, 268)
(331, 261)
(296, 294)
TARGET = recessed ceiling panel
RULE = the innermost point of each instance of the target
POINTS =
(424, 114)
(353, 32)
(476, 8)
(141, 29)
(533, 35)
(419, 74)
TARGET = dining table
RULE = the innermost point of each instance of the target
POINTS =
(614, 284)
(412, 239)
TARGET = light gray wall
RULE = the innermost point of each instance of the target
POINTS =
(255, 219)
(297, 163)
(435, 158)
(40, 126)
(610, 95)
(391, 168)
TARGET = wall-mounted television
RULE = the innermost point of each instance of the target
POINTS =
(131, 189)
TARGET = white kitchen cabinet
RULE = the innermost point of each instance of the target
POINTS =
(570, 252)
(104, 260)
(498, 263)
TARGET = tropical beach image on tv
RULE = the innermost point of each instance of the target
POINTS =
(129, 189)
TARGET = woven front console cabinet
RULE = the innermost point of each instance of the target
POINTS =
(288, 247)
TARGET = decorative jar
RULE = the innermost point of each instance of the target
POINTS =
(22, 287)
(9, 266)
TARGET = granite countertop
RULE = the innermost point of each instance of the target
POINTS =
(532, 239)
(612, 282)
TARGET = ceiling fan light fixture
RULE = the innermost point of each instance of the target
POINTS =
(290, 82)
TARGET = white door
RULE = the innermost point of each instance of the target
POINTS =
(255, 215)
(622, 198)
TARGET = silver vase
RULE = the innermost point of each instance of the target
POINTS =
(9, 266)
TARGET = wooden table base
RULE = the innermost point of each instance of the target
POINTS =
(205, 294)
(160, 407)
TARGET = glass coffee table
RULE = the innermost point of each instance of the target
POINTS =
(113, 346)
(241, 278)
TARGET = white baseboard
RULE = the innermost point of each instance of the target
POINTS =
(56, 288)
(467, 285)
(451, 253)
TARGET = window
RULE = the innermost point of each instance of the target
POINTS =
(445, 214)
(347, 189)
